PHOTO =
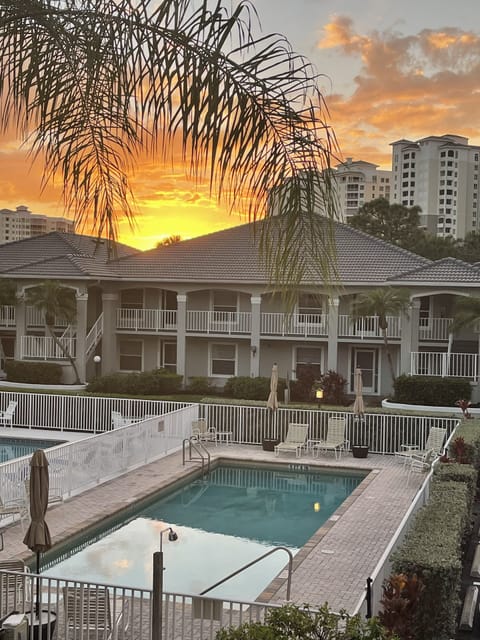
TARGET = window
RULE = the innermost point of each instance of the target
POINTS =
(131, 355)
(308, 359)
(223, 359)
(225, 301)
(132, 299)
(169, 359)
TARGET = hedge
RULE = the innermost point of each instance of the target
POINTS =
(248, 388)
(147, 383)
(33, 372)
(431, 390)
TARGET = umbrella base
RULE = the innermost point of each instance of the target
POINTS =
(269, 444)
(360, 450)
(41, 629)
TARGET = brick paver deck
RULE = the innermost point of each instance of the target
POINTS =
(332, 567)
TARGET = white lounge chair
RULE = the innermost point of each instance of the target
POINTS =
(435, 440)
(14, 508)
(203, 432)
(6, 417)
(118, 420)
(334, 440)
(295, 439)
(14, 587)
(421, 463)
(88, 611)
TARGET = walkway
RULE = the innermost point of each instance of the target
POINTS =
(334, 564)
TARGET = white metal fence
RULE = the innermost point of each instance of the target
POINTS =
(367, 327)
(229, 322)
(72, 604)
(295, 324)
(77, 466)
(45, 348)
(147, 319)
(455, 365)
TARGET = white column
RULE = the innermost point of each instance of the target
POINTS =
(109, 337)
(332, 358)
(409, 325)
(81, 334)
(181, 334)
(20, 326)
(256, 302)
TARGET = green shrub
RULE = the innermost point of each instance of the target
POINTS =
(292, 623)
(301, 389)
(251, 388)
(432, 550)
(33, 372)
(431, 390)
(199, 385)
(333, 385)
(148, 383)
(455, 472)
(469, 430)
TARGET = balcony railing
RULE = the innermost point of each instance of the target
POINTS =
(454, 365)
(295, 324)
(434, 328)
(45, 348)
(225, 322)
(147, 319)
(367, 327)
(36, 318)
(7, 316)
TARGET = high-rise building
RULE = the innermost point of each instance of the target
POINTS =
(440, 175)
(22, 223)
(359, 182)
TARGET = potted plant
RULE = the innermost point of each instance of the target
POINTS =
(359, 443)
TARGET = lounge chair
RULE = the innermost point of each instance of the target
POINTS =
(421, 463)
(435, 440)
(335, 438)
(88, 614)
(14, 587)
(118, 420)
(295, 439)
(14, 508)
(203, 432)
(6, 417)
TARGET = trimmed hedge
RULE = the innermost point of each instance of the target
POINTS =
(33, 372)
(431, 390)
(466, 473)
(147, 383)
(432, 550)
(247, 388)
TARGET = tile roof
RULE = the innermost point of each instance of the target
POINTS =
(232, 256)
(444, 271)
(59, 255)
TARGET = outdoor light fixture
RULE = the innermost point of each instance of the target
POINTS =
(316, 507)
(157, 598)
(253, 349)
(319, 394)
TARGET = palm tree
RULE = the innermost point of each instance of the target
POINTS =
(55, 301)
(167, 242)
(382, 302)
(466, 313)
(88, 85)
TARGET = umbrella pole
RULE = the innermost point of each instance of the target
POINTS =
(37, 587)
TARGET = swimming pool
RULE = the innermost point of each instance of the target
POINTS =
(11, 448)
(223, 522)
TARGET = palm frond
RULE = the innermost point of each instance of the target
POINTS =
(89, 84)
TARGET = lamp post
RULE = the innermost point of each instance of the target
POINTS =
(157, 597)
(319, 396)
(97, 360)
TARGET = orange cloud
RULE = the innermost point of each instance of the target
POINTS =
(407, 87)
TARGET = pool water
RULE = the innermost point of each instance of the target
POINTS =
(223, 523)
(11, 448)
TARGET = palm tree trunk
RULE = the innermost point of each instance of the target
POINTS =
(65, 352)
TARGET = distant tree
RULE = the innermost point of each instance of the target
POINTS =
(382, 302)
(469, 247)
(167, 242)
(433, 247)
(8, 292)
(391, 222)
(55, 301)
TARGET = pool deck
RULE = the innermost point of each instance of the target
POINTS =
(332, 567)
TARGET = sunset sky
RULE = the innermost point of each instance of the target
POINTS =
(391, 70)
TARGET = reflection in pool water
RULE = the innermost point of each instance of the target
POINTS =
(223, 523)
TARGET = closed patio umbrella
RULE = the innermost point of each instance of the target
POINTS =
(272, 401)
(38, 537)
(358, 405)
